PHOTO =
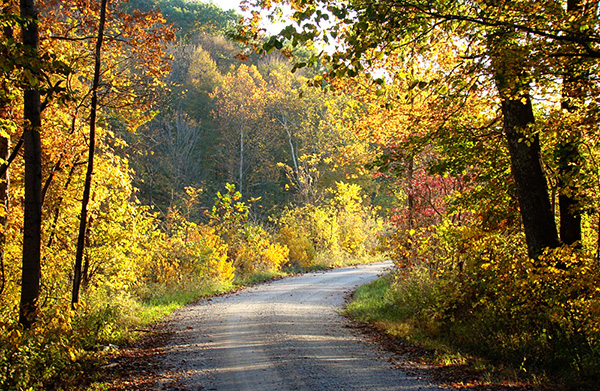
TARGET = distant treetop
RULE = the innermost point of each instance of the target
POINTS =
(190, 16)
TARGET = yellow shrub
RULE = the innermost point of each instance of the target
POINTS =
(301, 250)
(274, 255)
(213, 255)
(254, 251)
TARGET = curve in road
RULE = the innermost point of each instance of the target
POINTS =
(283, 335)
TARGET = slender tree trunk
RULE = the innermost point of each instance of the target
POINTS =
(90, 168)
(288, 130)
(567, 151)
(4, 166)
(241, 172)
(4, 205)
(59, 203)
(524, 148)
(31, 270)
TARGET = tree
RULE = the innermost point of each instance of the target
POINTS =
(522, 41)
(512, 82)
(240, 102)
(90, 166)
(574, 85)
(122, 88)
(31, 270)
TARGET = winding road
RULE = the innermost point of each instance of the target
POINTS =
(283, 335)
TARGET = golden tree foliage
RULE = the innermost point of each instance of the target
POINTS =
(125, 248)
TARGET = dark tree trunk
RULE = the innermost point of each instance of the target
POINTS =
(569, 208)
(530, 181)
(4, 204)
(56, 213)
(31, 273)
(567, 151)
(524, 146)
(90, 167)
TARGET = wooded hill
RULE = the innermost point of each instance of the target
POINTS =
(148, 155)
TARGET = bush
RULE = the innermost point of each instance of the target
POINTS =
(343, 227)
(489, 299)
(253, 251)
(54, 354)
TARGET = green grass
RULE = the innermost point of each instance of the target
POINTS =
(169, 300)
(405, 309)
(369, 302)
(258, 278)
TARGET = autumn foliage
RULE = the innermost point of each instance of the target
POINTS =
(458, 138)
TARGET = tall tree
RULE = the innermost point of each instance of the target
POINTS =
(575, 80)
(512, 82)
(90, 166)
(31, 270)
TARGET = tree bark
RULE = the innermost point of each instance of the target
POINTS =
(568, 205)
(31, 267)
(530, 181)
(524, 147)
(4, 205)
(567, 151)
(90, 167)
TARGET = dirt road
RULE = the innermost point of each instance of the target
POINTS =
(284, 335)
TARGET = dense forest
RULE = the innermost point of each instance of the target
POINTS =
(152, 152)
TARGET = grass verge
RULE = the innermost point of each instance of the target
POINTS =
(405, 325)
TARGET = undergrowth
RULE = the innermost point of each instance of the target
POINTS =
(132, 283)
(513, 320)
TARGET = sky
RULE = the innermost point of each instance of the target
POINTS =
(227, 4)
(234, 4)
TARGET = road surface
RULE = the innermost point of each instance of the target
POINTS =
(283, 335)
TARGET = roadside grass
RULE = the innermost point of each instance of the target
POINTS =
(164, 301)
(409, 309)
(258, 278)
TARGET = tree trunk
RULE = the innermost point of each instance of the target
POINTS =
(524, 148)
(567, 151)
(90, 167)
(569, 208)
(530, 181)
(4, 204)
(31, 271)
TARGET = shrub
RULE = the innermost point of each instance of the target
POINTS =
(52, 355)
(343, 226)
(490, 299)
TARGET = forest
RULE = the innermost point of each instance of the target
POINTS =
(153, 152)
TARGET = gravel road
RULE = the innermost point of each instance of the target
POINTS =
(283, 335)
